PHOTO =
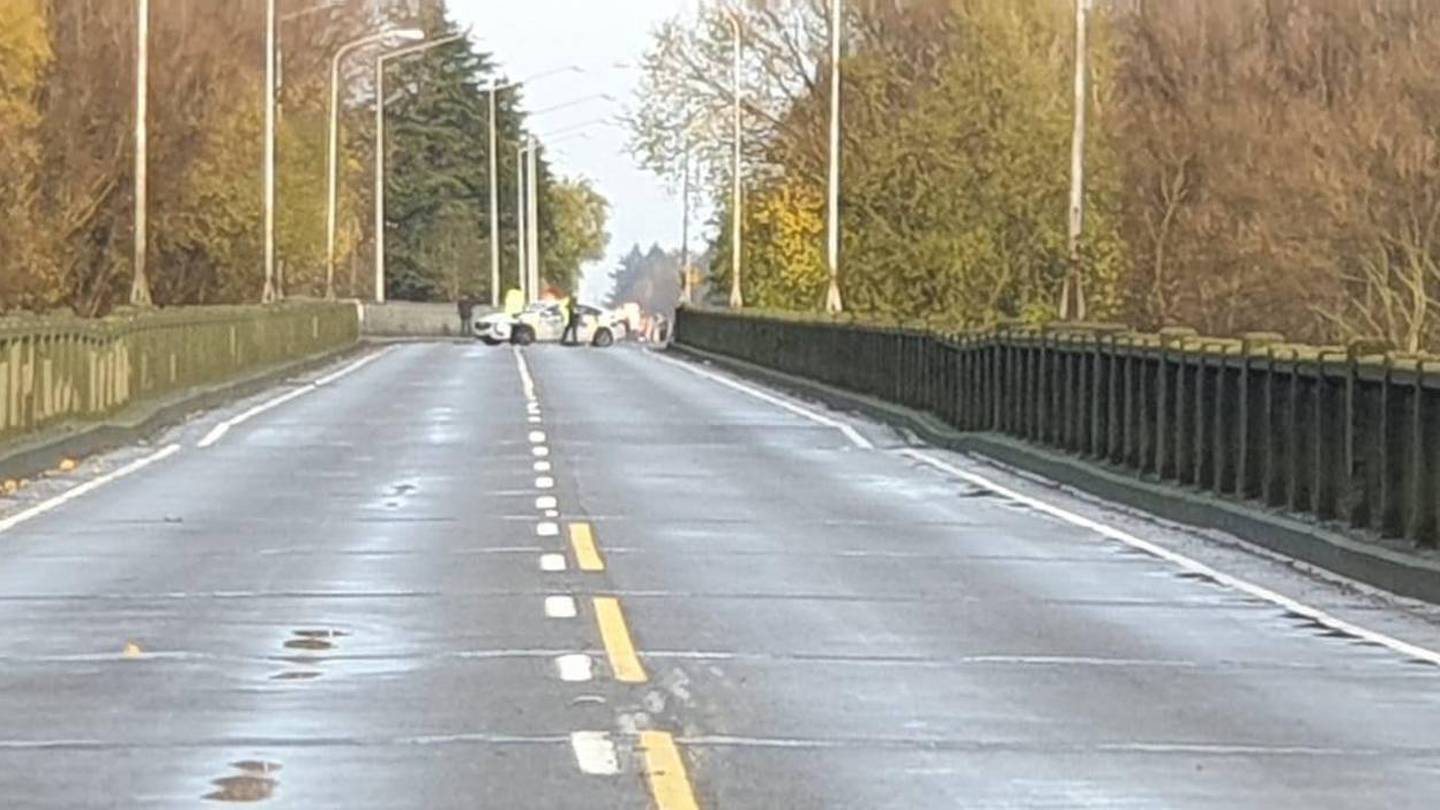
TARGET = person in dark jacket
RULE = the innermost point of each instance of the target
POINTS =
(467, 308)
(571, 335)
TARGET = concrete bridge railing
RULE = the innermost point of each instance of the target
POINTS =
(59, 369)
(1345, 434)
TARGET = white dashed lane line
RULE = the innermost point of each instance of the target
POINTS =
(575, 668)
(560, 607)
(595, 753)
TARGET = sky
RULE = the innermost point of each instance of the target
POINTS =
(535, 36)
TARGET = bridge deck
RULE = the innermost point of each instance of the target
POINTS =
(342, 601)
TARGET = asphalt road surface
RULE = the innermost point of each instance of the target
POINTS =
(460, 577)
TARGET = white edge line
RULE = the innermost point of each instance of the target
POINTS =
(89, 486)
(850, 433)
(218, 432)
(353, 367)
(1187, 563)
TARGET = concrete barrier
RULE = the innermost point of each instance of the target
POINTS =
(414, 320)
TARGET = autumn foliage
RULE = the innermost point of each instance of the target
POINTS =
(1253, 164)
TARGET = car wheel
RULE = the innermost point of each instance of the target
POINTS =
(603, 338)
(522, 336)
(489, 341)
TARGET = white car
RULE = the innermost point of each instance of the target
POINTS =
(544, 321)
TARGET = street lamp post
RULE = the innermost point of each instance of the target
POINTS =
(530, 250)
(380, 64)
(833, 303)
(685, 292)
(533, 217)
(737, 200)
(1073, 288)
(140, 282)
(495, 88)
(527, 231)
(333, 164)
(269, 293)
(522, 220)
(494, 202)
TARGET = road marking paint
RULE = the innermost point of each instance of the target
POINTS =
(552, 513)
(535, 420)
(532, 407)
(352, 368)
(548, 528)
(540, 452)
(1187, 563)
(850, 433)
(595, 753)
(525, 379)
(544, 482)
(218, 432)
(542, 466)
(665, 770)
(537, 437)
(618, 646)
(587, 552)
(546, 502)
(575, 668)
(80, 490)
(560, 607)
(552, 562)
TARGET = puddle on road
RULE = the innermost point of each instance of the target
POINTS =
(317, 640)
(253, 784)
(295, 675)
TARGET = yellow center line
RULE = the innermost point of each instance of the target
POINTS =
(587, 553)
(618, 646)
(666, 771)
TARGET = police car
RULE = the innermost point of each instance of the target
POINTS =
(544, 321)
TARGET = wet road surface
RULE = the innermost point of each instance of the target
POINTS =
(458, 578)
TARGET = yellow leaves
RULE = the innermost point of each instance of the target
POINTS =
(132, 650)
(24, 52)
(10, 486)
(786, 244)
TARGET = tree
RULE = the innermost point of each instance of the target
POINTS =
(574, 226)
(954, 180)
(649, 278)
(439, 184)
(25, 277)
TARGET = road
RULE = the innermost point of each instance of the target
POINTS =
(352, 598)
